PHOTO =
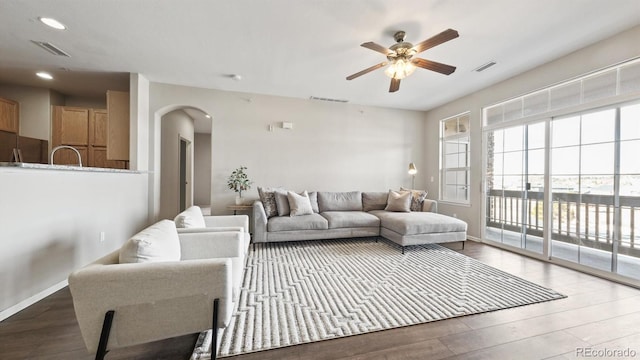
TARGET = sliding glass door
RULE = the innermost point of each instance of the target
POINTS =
(595, 177)
(515, 165)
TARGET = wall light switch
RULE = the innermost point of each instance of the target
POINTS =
(287, 125)
(432, 179)
(102, 236)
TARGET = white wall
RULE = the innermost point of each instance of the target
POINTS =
(176, 125)
(332, 146)
(202, 169)
(51, 224)
(616, 49)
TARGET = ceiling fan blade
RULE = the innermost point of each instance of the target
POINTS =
(367, 70)
(395, 85)
(379, 48)
(444, 36)
(433, 66)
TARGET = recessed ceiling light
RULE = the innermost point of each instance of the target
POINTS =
(51, 22)
(44, 75)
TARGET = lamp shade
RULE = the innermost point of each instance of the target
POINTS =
(412, 169)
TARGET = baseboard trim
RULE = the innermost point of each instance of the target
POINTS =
(31, 300)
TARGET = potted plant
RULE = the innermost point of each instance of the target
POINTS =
(238, 182)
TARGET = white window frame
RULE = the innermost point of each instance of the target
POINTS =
(461, 131)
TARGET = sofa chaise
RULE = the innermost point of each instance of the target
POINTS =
(405, 218)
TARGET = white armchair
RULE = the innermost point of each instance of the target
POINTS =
(192, 220)
(161, 296)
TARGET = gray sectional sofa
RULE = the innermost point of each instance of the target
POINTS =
(353, 214)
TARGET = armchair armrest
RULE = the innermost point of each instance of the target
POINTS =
(211, 229)
(204, 245)
(227, 221)
(152, 300)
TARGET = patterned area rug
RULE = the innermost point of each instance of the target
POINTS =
(300, 292)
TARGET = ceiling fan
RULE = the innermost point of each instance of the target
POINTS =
(401, 57)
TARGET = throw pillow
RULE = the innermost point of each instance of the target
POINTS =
(190, 218)
(417, 198)
(268, 199)
(158, 242)
(299, 204)
(398, 201)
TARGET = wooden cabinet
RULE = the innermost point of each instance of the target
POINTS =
(118, 125)
(86, 130)
(9, 116)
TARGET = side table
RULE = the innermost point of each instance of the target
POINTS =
(237, 208)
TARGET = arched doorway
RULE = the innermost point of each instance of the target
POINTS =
(180, 156)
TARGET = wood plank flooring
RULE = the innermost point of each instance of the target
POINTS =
(598, 314)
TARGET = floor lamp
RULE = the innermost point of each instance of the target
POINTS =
(413, 171)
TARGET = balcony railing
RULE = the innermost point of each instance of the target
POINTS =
(584, 219)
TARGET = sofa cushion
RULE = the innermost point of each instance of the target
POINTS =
(374, 200)
(299, 204)
(303, 222)
(340, 201)
(417, 198)
(282, 202)
(190, 218)
(158, 242)
(350, 219)
(313, 198)
(268, 198)
(398, 201)
(414, 223)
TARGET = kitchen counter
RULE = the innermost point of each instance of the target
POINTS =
(64, 167)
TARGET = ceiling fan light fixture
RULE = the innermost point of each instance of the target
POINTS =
(400, 69)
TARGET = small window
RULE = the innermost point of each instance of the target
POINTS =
(455, 160)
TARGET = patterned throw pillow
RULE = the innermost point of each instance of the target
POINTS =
(417, 198)
(268, 198)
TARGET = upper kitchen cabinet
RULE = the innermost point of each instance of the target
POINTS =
(118, 125)
(70, 126)
(85, 130)
(9, 115)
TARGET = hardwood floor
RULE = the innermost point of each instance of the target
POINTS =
(597, 314)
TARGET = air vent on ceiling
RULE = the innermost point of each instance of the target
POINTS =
(328, 99)
(51, 48)
(485, 66)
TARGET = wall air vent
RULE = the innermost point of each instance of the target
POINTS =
(51, 48)
(328, 99)
(485, 66)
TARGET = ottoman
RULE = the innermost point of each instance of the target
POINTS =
(418, 228)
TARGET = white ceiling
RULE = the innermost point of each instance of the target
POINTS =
(295, 48)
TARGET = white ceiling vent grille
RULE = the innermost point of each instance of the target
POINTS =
(485, 66)
(51, 48)
(328, 99)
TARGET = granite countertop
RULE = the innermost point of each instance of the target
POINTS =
(63, 167)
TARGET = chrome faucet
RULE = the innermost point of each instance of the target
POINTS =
(53, 151)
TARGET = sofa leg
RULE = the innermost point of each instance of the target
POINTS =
(214, 330)
(463, 245)
(104, 335)
(403, 250)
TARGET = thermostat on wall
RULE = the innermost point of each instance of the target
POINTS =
(287, 125)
